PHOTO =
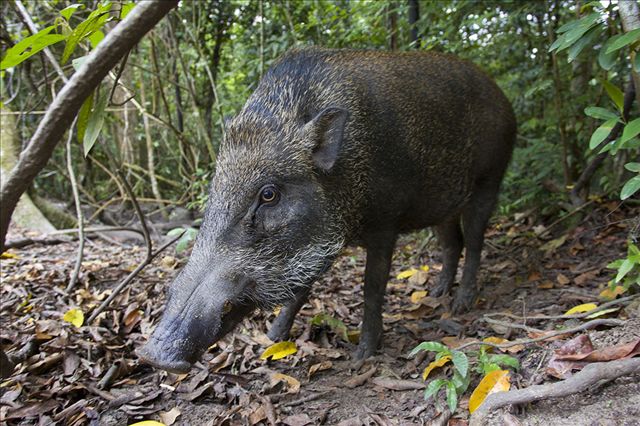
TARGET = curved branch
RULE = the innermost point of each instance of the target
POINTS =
(67, 103)
(593, 374)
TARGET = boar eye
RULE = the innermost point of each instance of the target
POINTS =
(269, 195)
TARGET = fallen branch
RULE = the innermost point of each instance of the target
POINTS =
(592, 375)
(147, 260)
(571, 330)
(621, 301)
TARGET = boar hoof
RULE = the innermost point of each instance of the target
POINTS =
(278, 334)
(463, 301)
(364, 351)
(439, 290)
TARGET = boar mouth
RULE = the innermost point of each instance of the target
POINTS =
(177, 343)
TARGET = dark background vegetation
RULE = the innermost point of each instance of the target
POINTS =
(204, 49)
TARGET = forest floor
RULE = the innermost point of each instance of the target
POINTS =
(90, 374)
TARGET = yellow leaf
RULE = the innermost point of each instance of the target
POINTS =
(417, 295)
(601, 313)
(148, 423)
(424, 268)
(585, 307)
(279, 350)
(292, 383)
(7, 255)
(495, 381)
(435, 364)
(406, 274)
(495, 341)
(74, 316)
(609, 294)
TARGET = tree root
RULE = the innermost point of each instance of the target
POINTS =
(591, 376)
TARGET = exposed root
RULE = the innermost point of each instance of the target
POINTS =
(592, 375)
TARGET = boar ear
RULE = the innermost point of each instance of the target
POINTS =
(327, 131)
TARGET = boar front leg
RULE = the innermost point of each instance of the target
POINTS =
(376, 275)
(281, 326)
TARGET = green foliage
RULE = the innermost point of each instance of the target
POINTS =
(29, 46)
(188, 235)
(628, 268)
(457, 384)
(337, 326)
(454, 386)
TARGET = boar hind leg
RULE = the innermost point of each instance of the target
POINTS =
(281, 326)
(474, 222)
(376, 275)
(450, 238)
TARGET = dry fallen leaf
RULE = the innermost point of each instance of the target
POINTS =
(279, 350)
(610, 294)
(148, 423)
(75, 317)
(435, 364)
(585, 307)
(406, 274)
(562, 279)
(169, 417)
(417, 295)
(321, 366)
(292, 383)
(495, 381)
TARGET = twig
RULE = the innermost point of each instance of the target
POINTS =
(581, 327)
(305, 399)
(593, 374)
(512, 325)
(76, 198)
(604, 306)
(148, 258)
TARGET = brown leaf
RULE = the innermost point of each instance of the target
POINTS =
(297, 420)
(399, 385)
(32, 410)
(563, 369)
(360, 379)
(562, 279)
(321, 366)
(626, 350)
(169, 417)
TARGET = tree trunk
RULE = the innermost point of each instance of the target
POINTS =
(630, 16)
(414, 15)
(392, 10)
(26, 215)
(151, 159)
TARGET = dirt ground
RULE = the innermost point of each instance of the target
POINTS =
(90, 374)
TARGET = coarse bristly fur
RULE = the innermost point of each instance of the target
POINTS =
(417, 139)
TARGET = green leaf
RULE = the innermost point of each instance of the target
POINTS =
(505, 360)
(175, 232)
(452, 397)
(94, 22)
(335, 324)
(68, 11)
(574, 33)
(608, 60)
(631, 130)
(28, 47)
(601, 133)
(627, 265)
(461, 362)
(600, 113)
(95, 38)
(636, 62)
(583, 42)
(631, 187)
(126, 8)
(83, 116)
(94, 124)
(488, 368)
(633, 167)
(433, 387)
(615, 94)
(429, 346)
(624, 39)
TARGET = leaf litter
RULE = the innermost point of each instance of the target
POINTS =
(82, 373)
